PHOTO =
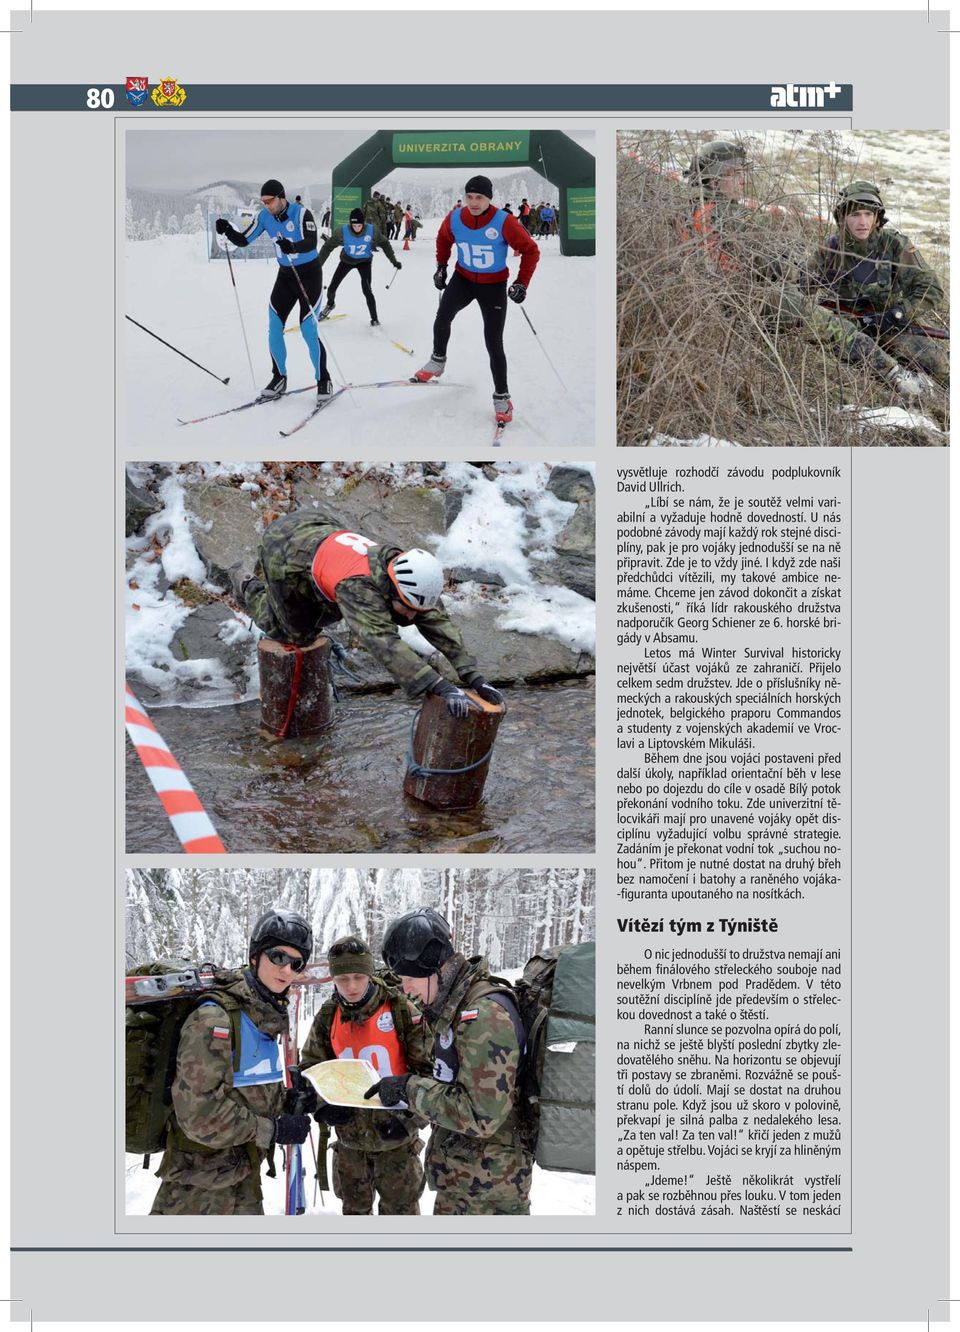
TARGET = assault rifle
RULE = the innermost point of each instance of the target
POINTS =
(869, 316)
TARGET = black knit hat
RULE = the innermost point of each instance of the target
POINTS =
(356, 215)
(479, 185)
(274, 188)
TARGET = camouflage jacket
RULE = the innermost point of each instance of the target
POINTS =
(884, 270)
(364, 1133)
(380, 242)
(219, 1130)
(286, 555)
(737, 238)
(476, 1045)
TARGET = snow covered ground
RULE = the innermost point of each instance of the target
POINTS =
(553, 1193)
(175, 291)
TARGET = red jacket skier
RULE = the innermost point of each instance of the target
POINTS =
(482, 236)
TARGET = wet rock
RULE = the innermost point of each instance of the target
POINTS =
(227, 528)
(140, 504)
(574, 564)
(574, 484)
(198, 639)
(464, 574)
(405, 518)
(504, 655)
(452, 504)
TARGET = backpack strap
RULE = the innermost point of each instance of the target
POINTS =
(501, 992)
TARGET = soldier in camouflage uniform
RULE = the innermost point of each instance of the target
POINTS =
(739, 239)
(471, 1029)
(376, 1151)
(230, 1107)
(311, 573)
(880, 275)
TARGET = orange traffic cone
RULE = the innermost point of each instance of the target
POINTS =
(406, 242)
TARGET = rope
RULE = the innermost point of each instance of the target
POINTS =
(416, 769)
(337, 663)
(294, 688)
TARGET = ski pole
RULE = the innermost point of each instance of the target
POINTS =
(253, 378)
(306, 301)
(393, 279)
(544, 350)
(179, 352)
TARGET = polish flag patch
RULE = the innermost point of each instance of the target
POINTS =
(221, 1033)
(469, 1014)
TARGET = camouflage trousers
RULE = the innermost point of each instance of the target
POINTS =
(396, 1175)
(787, 304)
(282, 597)
(175, 1198)
(476, 1178)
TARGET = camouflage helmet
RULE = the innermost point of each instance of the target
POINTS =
(713, 159)
(418, 943)
(859, 194)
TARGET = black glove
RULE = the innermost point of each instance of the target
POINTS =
(458, 705)
(391, 1130)
(392, 1091)
(333, 1115)
(517, 292)
(892, 320)
(223, 226)
(486, 691)
(302, 1098)
(290, 1128)
(397, 265)
(440, 278)
(282, 243)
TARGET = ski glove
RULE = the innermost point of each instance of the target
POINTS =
(486, 692)
(517, 292)
(282, 243)
(458, 705)
(290, 1128)
(397, 265)
(392, 1091)
(302, 1098)
(223, 226)
(440, 278)
(333, 1114)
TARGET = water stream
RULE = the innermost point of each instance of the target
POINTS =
(342, 792)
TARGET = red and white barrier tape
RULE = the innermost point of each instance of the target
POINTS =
(190, 820)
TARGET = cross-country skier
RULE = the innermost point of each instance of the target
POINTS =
(482, 236)
(359, 240)
(312, 572)
(294, 232)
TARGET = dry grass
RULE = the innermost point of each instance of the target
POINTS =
(705, 352)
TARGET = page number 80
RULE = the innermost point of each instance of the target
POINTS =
(99, 99)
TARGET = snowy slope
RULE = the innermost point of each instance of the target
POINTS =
(175, 291)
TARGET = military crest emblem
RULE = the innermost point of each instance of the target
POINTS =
(168, 93)
(137, 89)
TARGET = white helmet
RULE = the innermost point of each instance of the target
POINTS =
(418, 577)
